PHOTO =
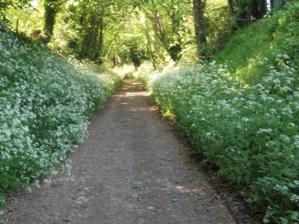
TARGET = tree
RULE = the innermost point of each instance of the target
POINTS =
(167, 21)
(5, 4)
(89, 20)
(51, 10)
(92, 40)
(258, 8)
(245, 11)
(200, 26)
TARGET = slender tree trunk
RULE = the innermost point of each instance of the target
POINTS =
(17, 26)
(263, 8)
(92, 43)
(201, 40)
(51, 9)
(173, 51)
(258, 8)
(149, 45)
(100, 39)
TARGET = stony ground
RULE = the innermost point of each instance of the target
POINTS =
(132, 169)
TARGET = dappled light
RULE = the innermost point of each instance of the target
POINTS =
(224, 72)
(182, 189)
(130, 94)
(144, 109)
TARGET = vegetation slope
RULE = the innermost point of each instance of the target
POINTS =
(242, 112)
(45, 105)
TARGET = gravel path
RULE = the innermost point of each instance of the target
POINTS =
(132, 169)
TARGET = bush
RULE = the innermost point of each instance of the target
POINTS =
(247, 126)
(45, 105)
(247, 50)
(249, 132)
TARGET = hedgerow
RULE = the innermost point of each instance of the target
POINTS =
(249, 132)
(45, 106)
(248, 129)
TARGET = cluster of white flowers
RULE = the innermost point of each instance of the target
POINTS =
(45, 105)
(250, 131)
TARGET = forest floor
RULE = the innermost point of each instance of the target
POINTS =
(132, 169)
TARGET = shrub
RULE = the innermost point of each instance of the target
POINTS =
(243, 115)
(45, 105)
(249, 132)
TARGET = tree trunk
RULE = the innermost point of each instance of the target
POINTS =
(100, 42)
(149, 45)
(258, 8)
(51, 9)
(201, 40)
(92, 43)
(264, 9)
(172, 50)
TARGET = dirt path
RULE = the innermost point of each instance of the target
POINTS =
(132, 169)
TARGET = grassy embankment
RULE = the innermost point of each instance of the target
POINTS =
(242, 112)
(45, 105)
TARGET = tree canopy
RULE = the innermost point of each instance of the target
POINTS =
(132, 31)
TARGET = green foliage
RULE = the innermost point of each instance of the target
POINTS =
(246, 11)
(250, 133)
(241, 111)
(21, 20)
(114, 31)
(218, 27)
(246, 125)
(251, 48)
(82, 25)
(5, 4)
(168, 20)
(45, 105)
(51, 10)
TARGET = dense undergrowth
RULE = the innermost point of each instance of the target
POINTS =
(242, 112)
(45, 106)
